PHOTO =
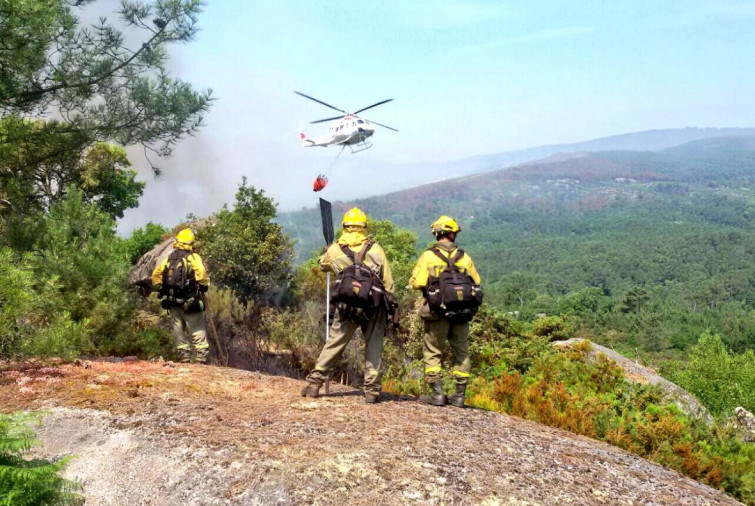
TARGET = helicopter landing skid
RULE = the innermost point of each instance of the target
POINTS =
(360, 147)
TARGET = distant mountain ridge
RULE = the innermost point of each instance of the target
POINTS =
(648, 140)
(704, 158)
(402, 176)
(571, 178)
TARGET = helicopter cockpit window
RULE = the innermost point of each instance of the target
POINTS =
(360, 121)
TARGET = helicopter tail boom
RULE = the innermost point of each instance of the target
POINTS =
(305, 141)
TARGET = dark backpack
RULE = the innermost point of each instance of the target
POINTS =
(178, 278)
(452, 293)
(356, 285)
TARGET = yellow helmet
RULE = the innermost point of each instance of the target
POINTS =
(354, 217)
(444, 224)
(185, 236)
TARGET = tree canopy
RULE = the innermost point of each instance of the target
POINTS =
(245, 250)
(66, 89)
(97, 85)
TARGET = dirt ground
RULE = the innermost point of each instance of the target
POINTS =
(168, 434)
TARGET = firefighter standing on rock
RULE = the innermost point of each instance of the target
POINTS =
(181, 279)
(363, 287)
(451, 287)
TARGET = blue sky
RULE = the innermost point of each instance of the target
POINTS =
(467, 78)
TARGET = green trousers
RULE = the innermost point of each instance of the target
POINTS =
(341, 332)
(190, 335)
(437, 332)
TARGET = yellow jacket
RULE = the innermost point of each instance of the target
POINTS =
(335, 260)
(195, 262)
(430, 265)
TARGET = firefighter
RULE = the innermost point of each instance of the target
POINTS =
(451, 286)
(180, 280)
(363, 284)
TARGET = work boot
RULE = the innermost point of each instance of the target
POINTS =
(437, 398)
(372, 397)
(457, 399)
(311, 390)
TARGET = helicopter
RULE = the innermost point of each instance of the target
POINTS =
(349, 130)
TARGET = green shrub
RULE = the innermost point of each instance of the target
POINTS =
(499, 342)
(30, 482)
(555, 328)
(78, 248)
(720, 379)
(300, 333)
(146, 334)
(18, 300)
(245, 250)
(143, 239)
(68, 295)
(62, 338)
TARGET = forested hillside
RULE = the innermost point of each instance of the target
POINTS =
(405, 175)
(652, 248)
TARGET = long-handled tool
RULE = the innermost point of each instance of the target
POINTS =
(214, 331)
(328, 233)
(327, 322)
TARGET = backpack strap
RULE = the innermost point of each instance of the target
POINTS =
(457, 256)
(357, 258)
(360, 256)
(347, 251)
(450, 260)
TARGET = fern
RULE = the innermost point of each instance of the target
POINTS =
(30, 482)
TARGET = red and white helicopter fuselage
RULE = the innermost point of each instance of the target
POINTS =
(348, 130)
(351, 131)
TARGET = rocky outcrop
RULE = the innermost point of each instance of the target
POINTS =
(159, 433)
(640, 374)
(141, 274)
(746, 423)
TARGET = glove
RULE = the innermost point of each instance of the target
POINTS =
(144, 290)
(204, 288)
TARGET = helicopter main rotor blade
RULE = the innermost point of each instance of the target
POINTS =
(373, 105)
(326, 119)
(384, 126)
(321, 102)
